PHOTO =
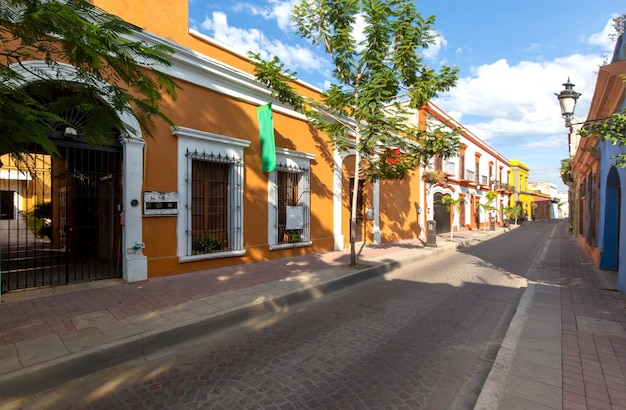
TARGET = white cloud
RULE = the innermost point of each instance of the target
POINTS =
(281, 11)
(605, 38)
(504, 101)
(432, 51)
(278, 10)
(358, 30)
(244, 40)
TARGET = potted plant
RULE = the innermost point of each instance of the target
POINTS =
(294, 236)
(434, 177)
(512, 212)
(207, 244)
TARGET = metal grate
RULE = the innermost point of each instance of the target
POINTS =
(292, 194)
(214, 208)
(60, 218)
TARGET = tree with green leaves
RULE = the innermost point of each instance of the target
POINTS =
(108, 65)
(452, 205)
(612, 130)
(380, 82)
(512, 212)
(489, 206)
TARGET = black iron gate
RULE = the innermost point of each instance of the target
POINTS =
(442, 214)
(62, 224)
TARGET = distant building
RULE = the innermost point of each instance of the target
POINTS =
(550, 189)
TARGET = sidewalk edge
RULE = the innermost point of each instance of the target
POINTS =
(43, 376)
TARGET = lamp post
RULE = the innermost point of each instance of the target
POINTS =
(567, 99)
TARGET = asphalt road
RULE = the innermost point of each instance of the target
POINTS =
(423, 336)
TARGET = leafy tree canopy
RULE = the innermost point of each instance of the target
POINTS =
(379, 82)
(613, 130)
(108, 64)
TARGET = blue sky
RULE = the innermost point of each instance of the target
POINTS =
(512, 56)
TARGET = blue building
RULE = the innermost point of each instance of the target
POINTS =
(610, 97)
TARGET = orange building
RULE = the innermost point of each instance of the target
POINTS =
(195, 197)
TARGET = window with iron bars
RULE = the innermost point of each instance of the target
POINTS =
(292, 205)
(214, 209)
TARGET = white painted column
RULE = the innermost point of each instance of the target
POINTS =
(376, 222)
(337, 205)
(134, 262)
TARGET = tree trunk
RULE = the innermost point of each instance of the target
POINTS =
(355, 192)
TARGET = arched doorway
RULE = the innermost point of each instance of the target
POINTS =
(609, 258)
(442, 213)
(68, 227)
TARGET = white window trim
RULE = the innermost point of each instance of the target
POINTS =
(290, 158)
(201, 141)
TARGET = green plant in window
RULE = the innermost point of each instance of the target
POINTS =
(294, 236)
(207, 244)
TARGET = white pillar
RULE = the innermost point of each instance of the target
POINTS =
(376, 200)
(134, 262)
(337, 205)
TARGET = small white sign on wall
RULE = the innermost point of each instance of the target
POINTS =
(160, 203)
(295, 217)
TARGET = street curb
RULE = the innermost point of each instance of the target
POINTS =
(43, 376)
(493, 388)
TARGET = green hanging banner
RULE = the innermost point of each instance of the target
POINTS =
(266, 132)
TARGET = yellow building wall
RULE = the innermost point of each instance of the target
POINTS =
(31, 191)
(519, 179)
(399, 204)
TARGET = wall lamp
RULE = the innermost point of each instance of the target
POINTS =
(567, 99)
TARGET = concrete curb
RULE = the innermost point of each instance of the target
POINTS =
(493, 387)
(495, 384)
(31, 380)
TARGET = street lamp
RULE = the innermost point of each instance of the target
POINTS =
(567, 100)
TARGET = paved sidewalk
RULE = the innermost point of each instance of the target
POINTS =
(564, 349)
(53, 335)
(566, 345)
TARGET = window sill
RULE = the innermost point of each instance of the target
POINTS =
(205, 256)
(290, 245)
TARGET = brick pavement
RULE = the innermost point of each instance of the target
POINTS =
(566, 345)
(593, 335)
(68, 331)
(39, 333)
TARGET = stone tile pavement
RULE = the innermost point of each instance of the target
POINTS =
(565, 347)
(52, 335)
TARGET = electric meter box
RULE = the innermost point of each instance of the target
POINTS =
(160, 203)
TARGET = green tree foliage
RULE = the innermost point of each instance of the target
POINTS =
(378, 83)
(99, 46)
(566, 171)
(512, 212)
(612, 130)
(452, 205)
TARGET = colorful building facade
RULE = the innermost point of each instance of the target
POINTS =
(600, 222)
(195, 197)
(477, 170)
